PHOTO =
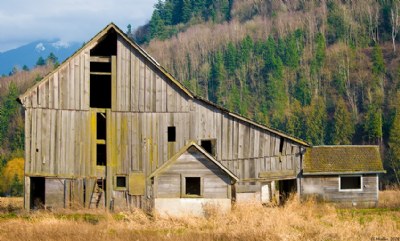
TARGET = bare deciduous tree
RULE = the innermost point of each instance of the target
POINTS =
(394, 13)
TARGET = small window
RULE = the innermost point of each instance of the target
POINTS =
(121, 182)
(171, 134)
(350, 183)
(101, 126)
(101, 155)
(209, 146)
(281, 143)
(193, 186)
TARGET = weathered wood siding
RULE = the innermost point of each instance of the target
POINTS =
(215, 182)
(60, 126)
(243, 148)
(326, 188)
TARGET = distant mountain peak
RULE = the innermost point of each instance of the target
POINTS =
(28, 54)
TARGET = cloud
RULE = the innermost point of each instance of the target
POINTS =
(25, 21)
(60, 44)
(40, 47)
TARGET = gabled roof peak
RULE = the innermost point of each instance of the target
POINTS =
(201, 150)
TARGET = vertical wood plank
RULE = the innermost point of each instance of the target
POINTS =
(56, 91)
(134, 82)
(86, 81)
(28, 137)
(142, 87)
(114, 92)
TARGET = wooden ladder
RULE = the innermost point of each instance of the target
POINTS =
(97, 193)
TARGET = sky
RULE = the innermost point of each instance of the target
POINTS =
(25, 21)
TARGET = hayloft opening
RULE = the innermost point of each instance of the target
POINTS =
(209, 146)
(106, 46)
(37, 197)
(100, 91)
(101, 152)
(193, 186)
(101, 126)
(171, 133)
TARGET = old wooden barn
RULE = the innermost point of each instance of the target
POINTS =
(100, 125)
(346, 175)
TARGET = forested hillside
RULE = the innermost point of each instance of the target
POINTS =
(326, 71)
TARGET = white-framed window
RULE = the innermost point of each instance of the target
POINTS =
(192, 186)
(350, 183)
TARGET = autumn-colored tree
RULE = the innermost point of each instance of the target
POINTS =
(12, 177)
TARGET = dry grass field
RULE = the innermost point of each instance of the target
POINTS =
(294, 221)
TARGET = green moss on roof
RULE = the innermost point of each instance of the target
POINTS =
(342, 159)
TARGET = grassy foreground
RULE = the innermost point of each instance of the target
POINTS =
(294, 221)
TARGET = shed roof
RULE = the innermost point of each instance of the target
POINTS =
(201, 150)
(169, 76)
(327, 160)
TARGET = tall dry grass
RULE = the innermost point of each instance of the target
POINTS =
(294, 221)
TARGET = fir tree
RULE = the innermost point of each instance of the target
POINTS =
(343, 127)
(394, 144)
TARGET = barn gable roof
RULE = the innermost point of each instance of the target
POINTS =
(328, 160)
(178, 84)
(198, 148)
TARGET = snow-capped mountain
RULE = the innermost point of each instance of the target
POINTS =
(30, 53)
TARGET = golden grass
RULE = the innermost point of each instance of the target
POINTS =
(294, 221)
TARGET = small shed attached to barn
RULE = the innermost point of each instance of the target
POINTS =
(347, 175)
(191, 180)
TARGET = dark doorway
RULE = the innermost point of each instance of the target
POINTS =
(286, 187)
(37, 192)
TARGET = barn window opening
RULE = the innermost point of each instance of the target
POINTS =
(193, 186)
(209, 146)
(350, 183)
(106, 46)
(171, 133)
(101, 126)
(100, 67)
(121, 182)
(281, 143)
(101, 155)
(100, 91)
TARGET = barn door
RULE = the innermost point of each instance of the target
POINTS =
(38, 187)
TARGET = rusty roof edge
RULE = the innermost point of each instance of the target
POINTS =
(342, 173)
(340, 146)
